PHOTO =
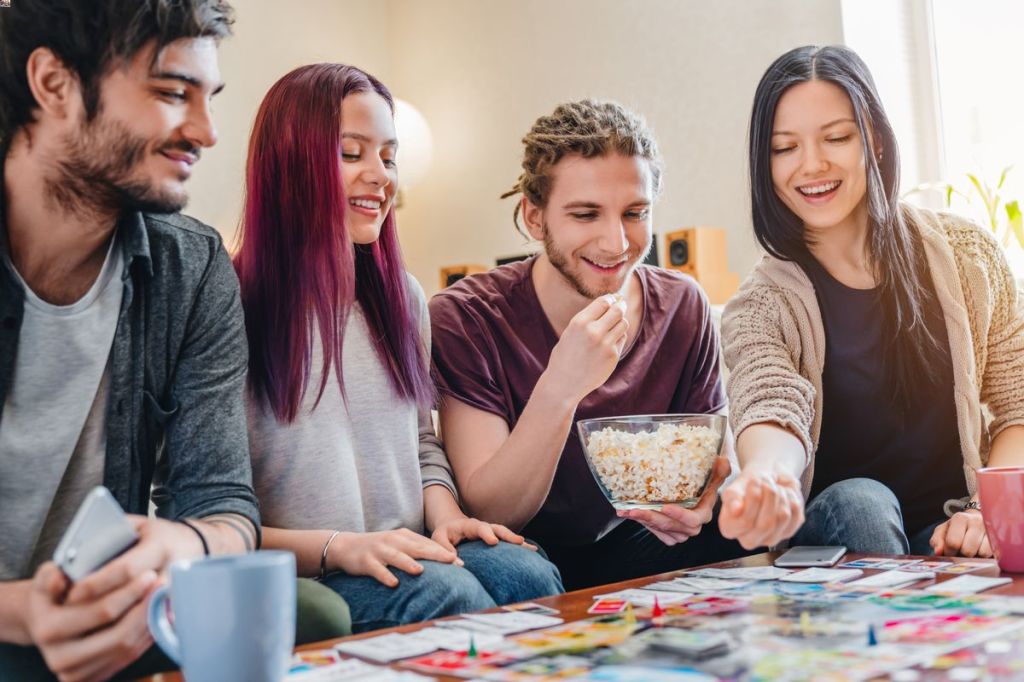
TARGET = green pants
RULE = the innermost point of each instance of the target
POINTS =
(322, 614)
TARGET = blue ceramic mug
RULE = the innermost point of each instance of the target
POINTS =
(233, 617)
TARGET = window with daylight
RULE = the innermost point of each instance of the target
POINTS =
(947, 72)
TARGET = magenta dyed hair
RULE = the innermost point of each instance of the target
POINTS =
(298, 268)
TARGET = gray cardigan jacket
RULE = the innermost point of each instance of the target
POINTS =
(175, 416)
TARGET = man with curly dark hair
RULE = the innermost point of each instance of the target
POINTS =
(122, 344)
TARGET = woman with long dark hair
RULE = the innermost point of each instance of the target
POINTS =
(865, 344)
(347, 468)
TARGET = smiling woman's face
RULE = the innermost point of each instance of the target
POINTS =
(818, 164)
(368, 169)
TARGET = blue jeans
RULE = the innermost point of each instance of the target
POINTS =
(492, 576)
(864, 516)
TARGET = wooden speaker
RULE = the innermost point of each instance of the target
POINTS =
(453, 273)
(701, 253)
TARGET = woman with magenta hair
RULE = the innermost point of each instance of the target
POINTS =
(348, 470)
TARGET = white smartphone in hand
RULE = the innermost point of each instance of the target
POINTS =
(99, 532)
(797, 557)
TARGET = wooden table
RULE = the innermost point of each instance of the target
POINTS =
(574, 605)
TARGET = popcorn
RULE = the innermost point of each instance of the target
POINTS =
(666, 465)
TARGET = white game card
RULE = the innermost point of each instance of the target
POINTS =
(967, 584)
(645, 597)
(741, 573)
(891, 579)
(387, 648)
(823, 575)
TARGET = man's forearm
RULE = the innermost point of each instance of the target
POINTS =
(228, 533)
(13, 607)
(513, 484)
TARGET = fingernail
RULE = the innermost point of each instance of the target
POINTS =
(459, 562)
(148, 578)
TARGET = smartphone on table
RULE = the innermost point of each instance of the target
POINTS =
(100, 531)
(797, 557)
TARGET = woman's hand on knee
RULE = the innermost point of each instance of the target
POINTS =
(371, 554)
(451, 533)
(963, 535)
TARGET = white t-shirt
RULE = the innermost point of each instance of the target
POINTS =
(359, 467)
(52, 430)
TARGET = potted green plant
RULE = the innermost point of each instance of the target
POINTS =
(992, 208)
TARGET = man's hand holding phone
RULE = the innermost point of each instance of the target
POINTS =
(92, 628)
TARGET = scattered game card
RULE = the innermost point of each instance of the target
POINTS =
(670, 586)
(304, 661)
(690, 643)
(386, 648)
(823, 575)
(862, 563)
(511, 622)
(643, 673)
(705, 605)
(791, 588)
(891, 579)
(967, 584)
(741, 573)
(705, 584)
(532, 607)
(454, 662)
(1003, 604)
(848, 595)
(646, 597)
(458, 639)
(895, 564)
(469, 626)
(353, 668)
(925, 566)
(606, 606)
(968, 566)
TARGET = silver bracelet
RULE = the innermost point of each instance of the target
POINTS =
(323, 556)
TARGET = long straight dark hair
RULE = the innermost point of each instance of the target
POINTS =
(297, 266)
(894, 246)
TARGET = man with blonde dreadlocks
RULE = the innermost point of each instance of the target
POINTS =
(581, 330)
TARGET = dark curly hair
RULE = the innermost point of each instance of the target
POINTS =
(91, 37)
(589, 128)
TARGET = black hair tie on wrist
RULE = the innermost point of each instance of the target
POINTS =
(202, 538)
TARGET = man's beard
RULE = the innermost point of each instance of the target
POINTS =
(561, 263)
(96, 173)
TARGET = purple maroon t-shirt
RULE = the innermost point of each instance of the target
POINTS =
(492, 341)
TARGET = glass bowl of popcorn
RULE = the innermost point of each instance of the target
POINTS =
(648, 461)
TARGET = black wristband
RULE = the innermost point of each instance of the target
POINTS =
(202, 538)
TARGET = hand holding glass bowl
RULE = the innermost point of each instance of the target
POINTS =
(649, 461)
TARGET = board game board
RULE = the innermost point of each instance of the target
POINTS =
(780, 630)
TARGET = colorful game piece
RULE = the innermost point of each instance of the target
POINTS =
(630, 615)
(872, 637)
(657, 611)
(805, 623)
(471, 653)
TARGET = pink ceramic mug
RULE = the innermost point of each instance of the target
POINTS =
(1002, 505)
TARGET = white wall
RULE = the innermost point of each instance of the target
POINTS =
(482, 71)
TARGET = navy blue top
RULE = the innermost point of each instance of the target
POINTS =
(917, 454)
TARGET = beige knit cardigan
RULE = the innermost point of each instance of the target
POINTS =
(774, 341)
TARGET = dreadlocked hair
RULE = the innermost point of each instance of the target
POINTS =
(588, 128)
